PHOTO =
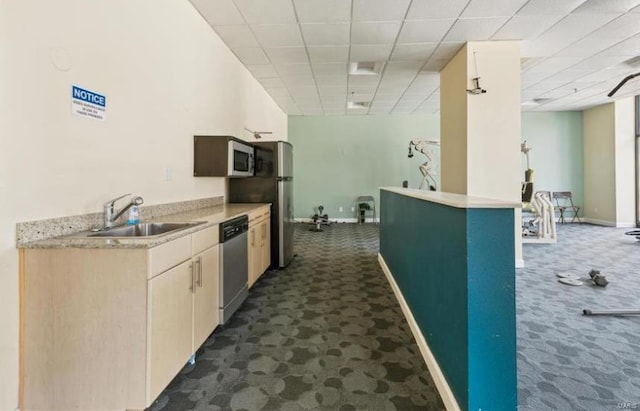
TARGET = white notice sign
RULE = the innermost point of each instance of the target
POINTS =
(88, 104)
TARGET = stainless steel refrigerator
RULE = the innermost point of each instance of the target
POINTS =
(272, 183)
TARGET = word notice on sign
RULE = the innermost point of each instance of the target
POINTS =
(88, 104)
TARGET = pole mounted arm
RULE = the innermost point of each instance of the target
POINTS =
(622, 83)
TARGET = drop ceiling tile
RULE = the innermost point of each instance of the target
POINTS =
(575, 26)
(329, 69)
(414, 99)
(628, 47)
(474, 28)
(379, 10)
(424, 31)
(522, 27)
(378, 52)
(266, 12)
(374, 33)
(218, 12)
(621, 28)
(385, 100)
(272, 82)
(337, 80)
(328, 54)
(283, 55)
(325, 11)
(416, 51)
(360, 90)
(403, 69)
(446, 51)
(262, 70)
(277, 92)
(293, 69)
(237, 36)
(421, 90)
(326, 34)
(435, 9)
(587, 46)
(606, 6)
(278, 35)
(332, 90)
(298, 80)
(304, 93)
(427, 79)
(492, 8)
(251, 55)
(359, 97)
(333, 100)
(542, 7)
(364, 81)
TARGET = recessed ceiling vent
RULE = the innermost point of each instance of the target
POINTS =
(633, 62)
(358, 105)
(365, 68)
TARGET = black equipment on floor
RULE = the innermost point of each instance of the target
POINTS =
(319, 219)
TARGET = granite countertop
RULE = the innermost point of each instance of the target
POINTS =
(210, 216)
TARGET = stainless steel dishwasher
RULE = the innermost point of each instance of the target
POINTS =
(234, 272)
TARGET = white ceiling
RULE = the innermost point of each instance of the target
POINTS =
(573, 51)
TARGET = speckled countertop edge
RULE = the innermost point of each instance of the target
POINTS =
(210, 216)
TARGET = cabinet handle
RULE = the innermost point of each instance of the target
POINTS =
(192, 285)
(199, 265)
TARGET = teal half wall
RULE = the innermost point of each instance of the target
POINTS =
(338, 158)
(454, 268)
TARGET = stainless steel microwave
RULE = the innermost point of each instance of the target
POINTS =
(222, 156)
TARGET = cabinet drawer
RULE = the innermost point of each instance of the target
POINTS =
(168, 255)
(206, 238)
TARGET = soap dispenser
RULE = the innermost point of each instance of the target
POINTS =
(134, 215)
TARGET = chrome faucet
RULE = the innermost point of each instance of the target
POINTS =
(110, 217)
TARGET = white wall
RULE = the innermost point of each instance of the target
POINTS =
(625, 172)
(166, 76)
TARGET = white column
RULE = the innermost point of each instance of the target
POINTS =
(481, 133)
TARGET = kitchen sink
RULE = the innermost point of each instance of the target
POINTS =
(145, 229)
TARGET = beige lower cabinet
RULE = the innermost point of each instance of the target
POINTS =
(108, 329)
(259, 249)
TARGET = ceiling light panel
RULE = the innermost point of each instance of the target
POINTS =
(328, 54)
(374, 33)
(278, 35)
(416, 52)
(379, 10)
(219, 12)
(424, 31)
(288, 55)
(325, 11)
(435, 9)
(237, 36)
(266, 12)
(328, 34)
(491, 8)
(378, 52)
(476, 28)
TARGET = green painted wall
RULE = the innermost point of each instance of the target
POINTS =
(338, 158)
(555, 139)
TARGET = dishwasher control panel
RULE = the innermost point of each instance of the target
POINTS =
(233, 228)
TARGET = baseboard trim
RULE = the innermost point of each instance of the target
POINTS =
(608, 223)
(519, 262)
(442, 386)
(335, 220)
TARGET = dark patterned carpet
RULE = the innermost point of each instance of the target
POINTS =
(326, 333)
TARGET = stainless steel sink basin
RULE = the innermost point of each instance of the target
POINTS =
(144, 229)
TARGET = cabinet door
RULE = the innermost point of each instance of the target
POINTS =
(205, 304)
(266, 247)
(170, 317)
(251, 254)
